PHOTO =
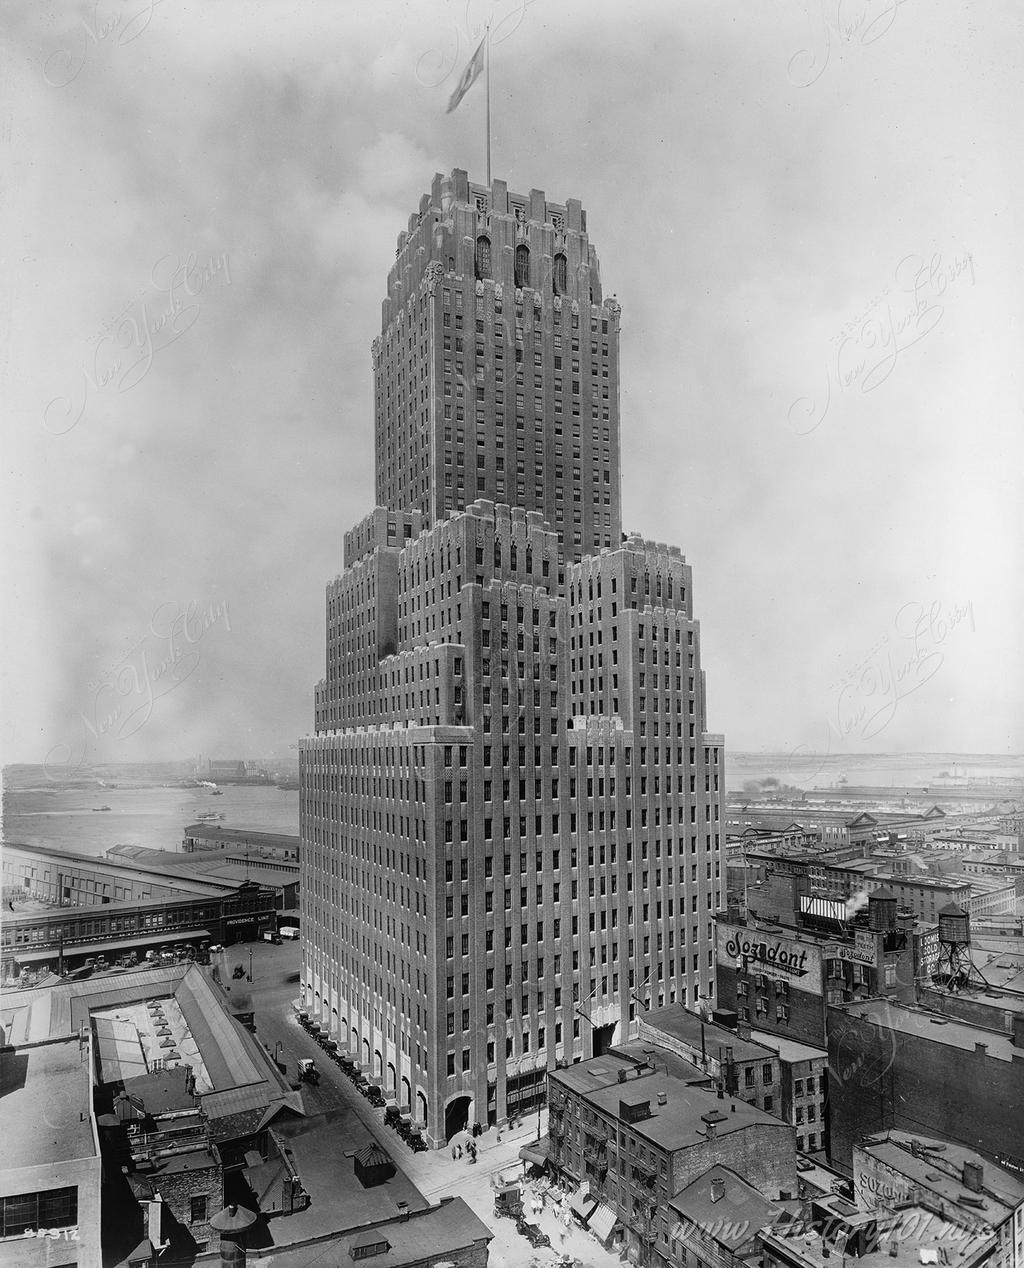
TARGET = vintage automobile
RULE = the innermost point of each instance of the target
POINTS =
(508, 1201)
(308, 1073)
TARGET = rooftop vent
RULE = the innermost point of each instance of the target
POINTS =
(973, 1176)
(662, 1098)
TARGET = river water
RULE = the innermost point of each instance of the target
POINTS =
(150, 816)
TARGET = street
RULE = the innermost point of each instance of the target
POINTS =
(275, 984)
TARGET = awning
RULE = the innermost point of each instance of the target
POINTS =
(536, 1153)
(141, 941)
(582, 1204)
(602, 1222)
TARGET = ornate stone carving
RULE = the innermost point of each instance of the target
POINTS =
(433, 274)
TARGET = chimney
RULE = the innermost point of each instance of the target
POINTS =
(662, 1098)
(743, 1029)
(981, 1049)
(974, 1175)
(717, 1189)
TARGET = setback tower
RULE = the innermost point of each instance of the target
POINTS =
(510, 808)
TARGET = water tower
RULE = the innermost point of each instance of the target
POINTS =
(954, 967)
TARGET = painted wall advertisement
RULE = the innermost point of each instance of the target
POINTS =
(876, 1185)
(780, 959)
(865, 947)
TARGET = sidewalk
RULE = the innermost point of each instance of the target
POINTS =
(437, 1175)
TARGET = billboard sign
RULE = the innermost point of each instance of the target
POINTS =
(865, 947)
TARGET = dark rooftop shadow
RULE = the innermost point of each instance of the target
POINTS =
(13, 1069)
(122, 1225)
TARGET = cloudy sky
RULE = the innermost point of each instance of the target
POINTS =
(810, 216)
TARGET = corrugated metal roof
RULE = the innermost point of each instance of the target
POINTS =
(235, 1100)
(226, 1056)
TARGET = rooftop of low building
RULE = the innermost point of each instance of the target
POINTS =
(690, 1028)
(935, 1027)
(46, 1104)
(687, 1115)
(911, 1239)
(724, 1207)
(790, 1050)
(938, 1165)
(213, 832)
(431, 1235)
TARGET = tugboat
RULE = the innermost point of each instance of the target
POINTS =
(98, 808)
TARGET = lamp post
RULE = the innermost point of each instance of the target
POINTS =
(249, 978)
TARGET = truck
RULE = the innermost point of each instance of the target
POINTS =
(271, 935)
(288, 931)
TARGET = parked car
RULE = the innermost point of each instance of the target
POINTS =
(214, 947)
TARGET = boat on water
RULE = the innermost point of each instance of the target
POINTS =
(216, 793)
(209, 816)
(288, 785)
(96, 808)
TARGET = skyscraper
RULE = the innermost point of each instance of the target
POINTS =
(511, 806)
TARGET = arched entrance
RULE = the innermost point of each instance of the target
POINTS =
(421, 1108)
(392, 1078)
(406, 1092)
(603, 1039)
(456, 1116)
(378, 1064)
(366, 1054)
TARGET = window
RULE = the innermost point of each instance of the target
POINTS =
(522, 266)
(483, 257)
(560, 276)
(197, 1212)
(57, 1208)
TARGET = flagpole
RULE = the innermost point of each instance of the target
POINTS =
(487, 62)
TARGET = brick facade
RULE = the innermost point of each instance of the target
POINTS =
(511, 808)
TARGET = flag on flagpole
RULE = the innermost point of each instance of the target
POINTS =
(469, 76)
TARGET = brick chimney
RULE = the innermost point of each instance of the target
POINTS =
(717, 1189)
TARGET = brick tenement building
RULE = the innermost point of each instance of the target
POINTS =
(636, 1137)
(892, 1066)
(511, 809)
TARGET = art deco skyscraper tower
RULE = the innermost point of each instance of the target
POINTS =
(510, 808)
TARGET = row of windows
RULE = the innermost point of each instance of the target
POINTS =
(482, 266)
